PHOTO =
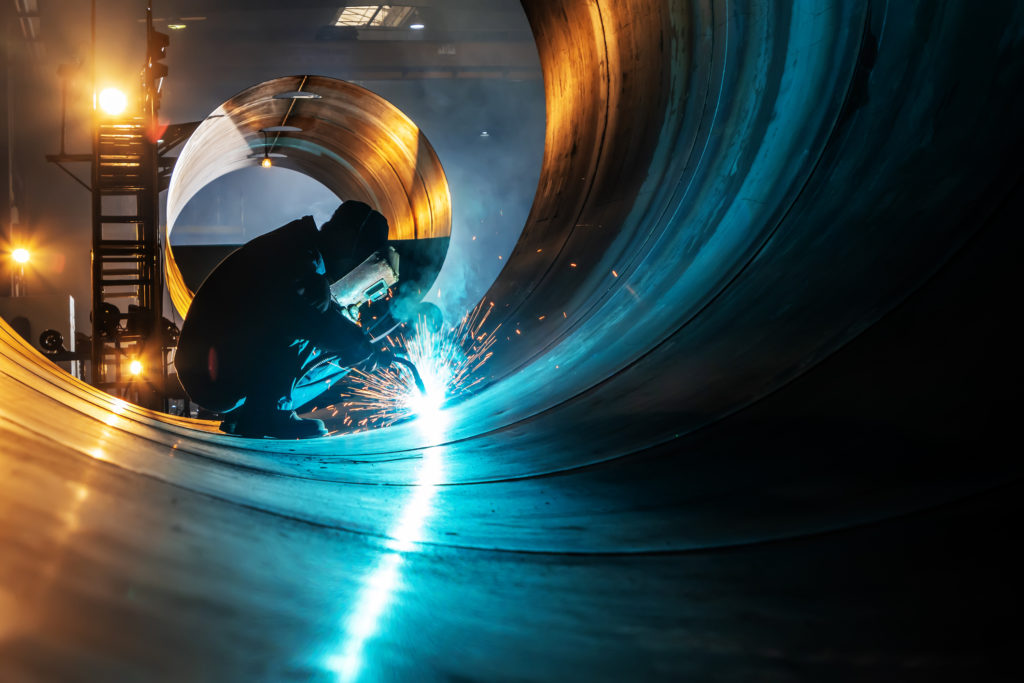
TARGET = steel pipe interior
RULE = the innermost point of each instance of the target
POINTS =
(686, 254)
(754, 220)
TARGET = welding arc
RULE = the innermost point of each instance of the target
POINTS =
(415, 374)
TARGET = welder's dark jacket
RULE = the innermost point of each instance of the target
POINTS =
(253, 309)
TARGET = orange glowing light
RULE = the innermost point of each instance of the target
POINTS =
(112, 101)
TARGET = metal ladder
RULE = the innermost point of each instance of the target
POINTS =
(126, 278)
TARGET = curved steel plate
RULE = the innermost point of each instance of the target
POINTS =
(349, 139)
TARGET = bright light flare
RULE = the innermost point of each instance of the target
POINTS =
(135, 368)
(448, 361)
(113, 101)
(21, 256)
(266, 163)
(444, 359)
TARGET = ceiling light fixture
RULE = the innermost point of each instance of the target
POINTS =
(266, 163)
(417, 27)
(374, 16)
(176, 27)
(265, 160)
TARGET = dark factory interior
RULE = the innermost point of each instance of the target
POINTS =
(723, 387)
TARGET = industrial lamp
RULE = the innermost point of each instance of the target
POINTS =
(265, 159)
(21, 257)
(112, 101)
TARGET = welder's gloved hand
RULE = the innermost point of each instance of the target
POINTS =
(378, 360)
(315, 290)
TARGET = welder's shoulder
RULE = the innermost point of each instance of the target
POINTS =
(255, 269)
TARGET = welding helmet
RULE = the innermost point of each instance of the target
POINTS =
(353, 233)
(369, 282)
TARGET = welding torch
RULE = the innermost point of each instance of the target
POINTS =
(415, 373)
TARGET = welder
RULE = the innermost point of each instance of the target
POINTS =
(264, 335)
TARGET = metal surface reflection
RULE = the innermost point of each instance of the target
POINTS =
(364, 617)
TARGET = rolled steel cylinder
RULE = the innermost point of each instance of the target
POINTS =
(351, 140)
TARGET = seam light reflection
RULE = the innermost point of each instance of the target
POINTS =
(363, 621)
